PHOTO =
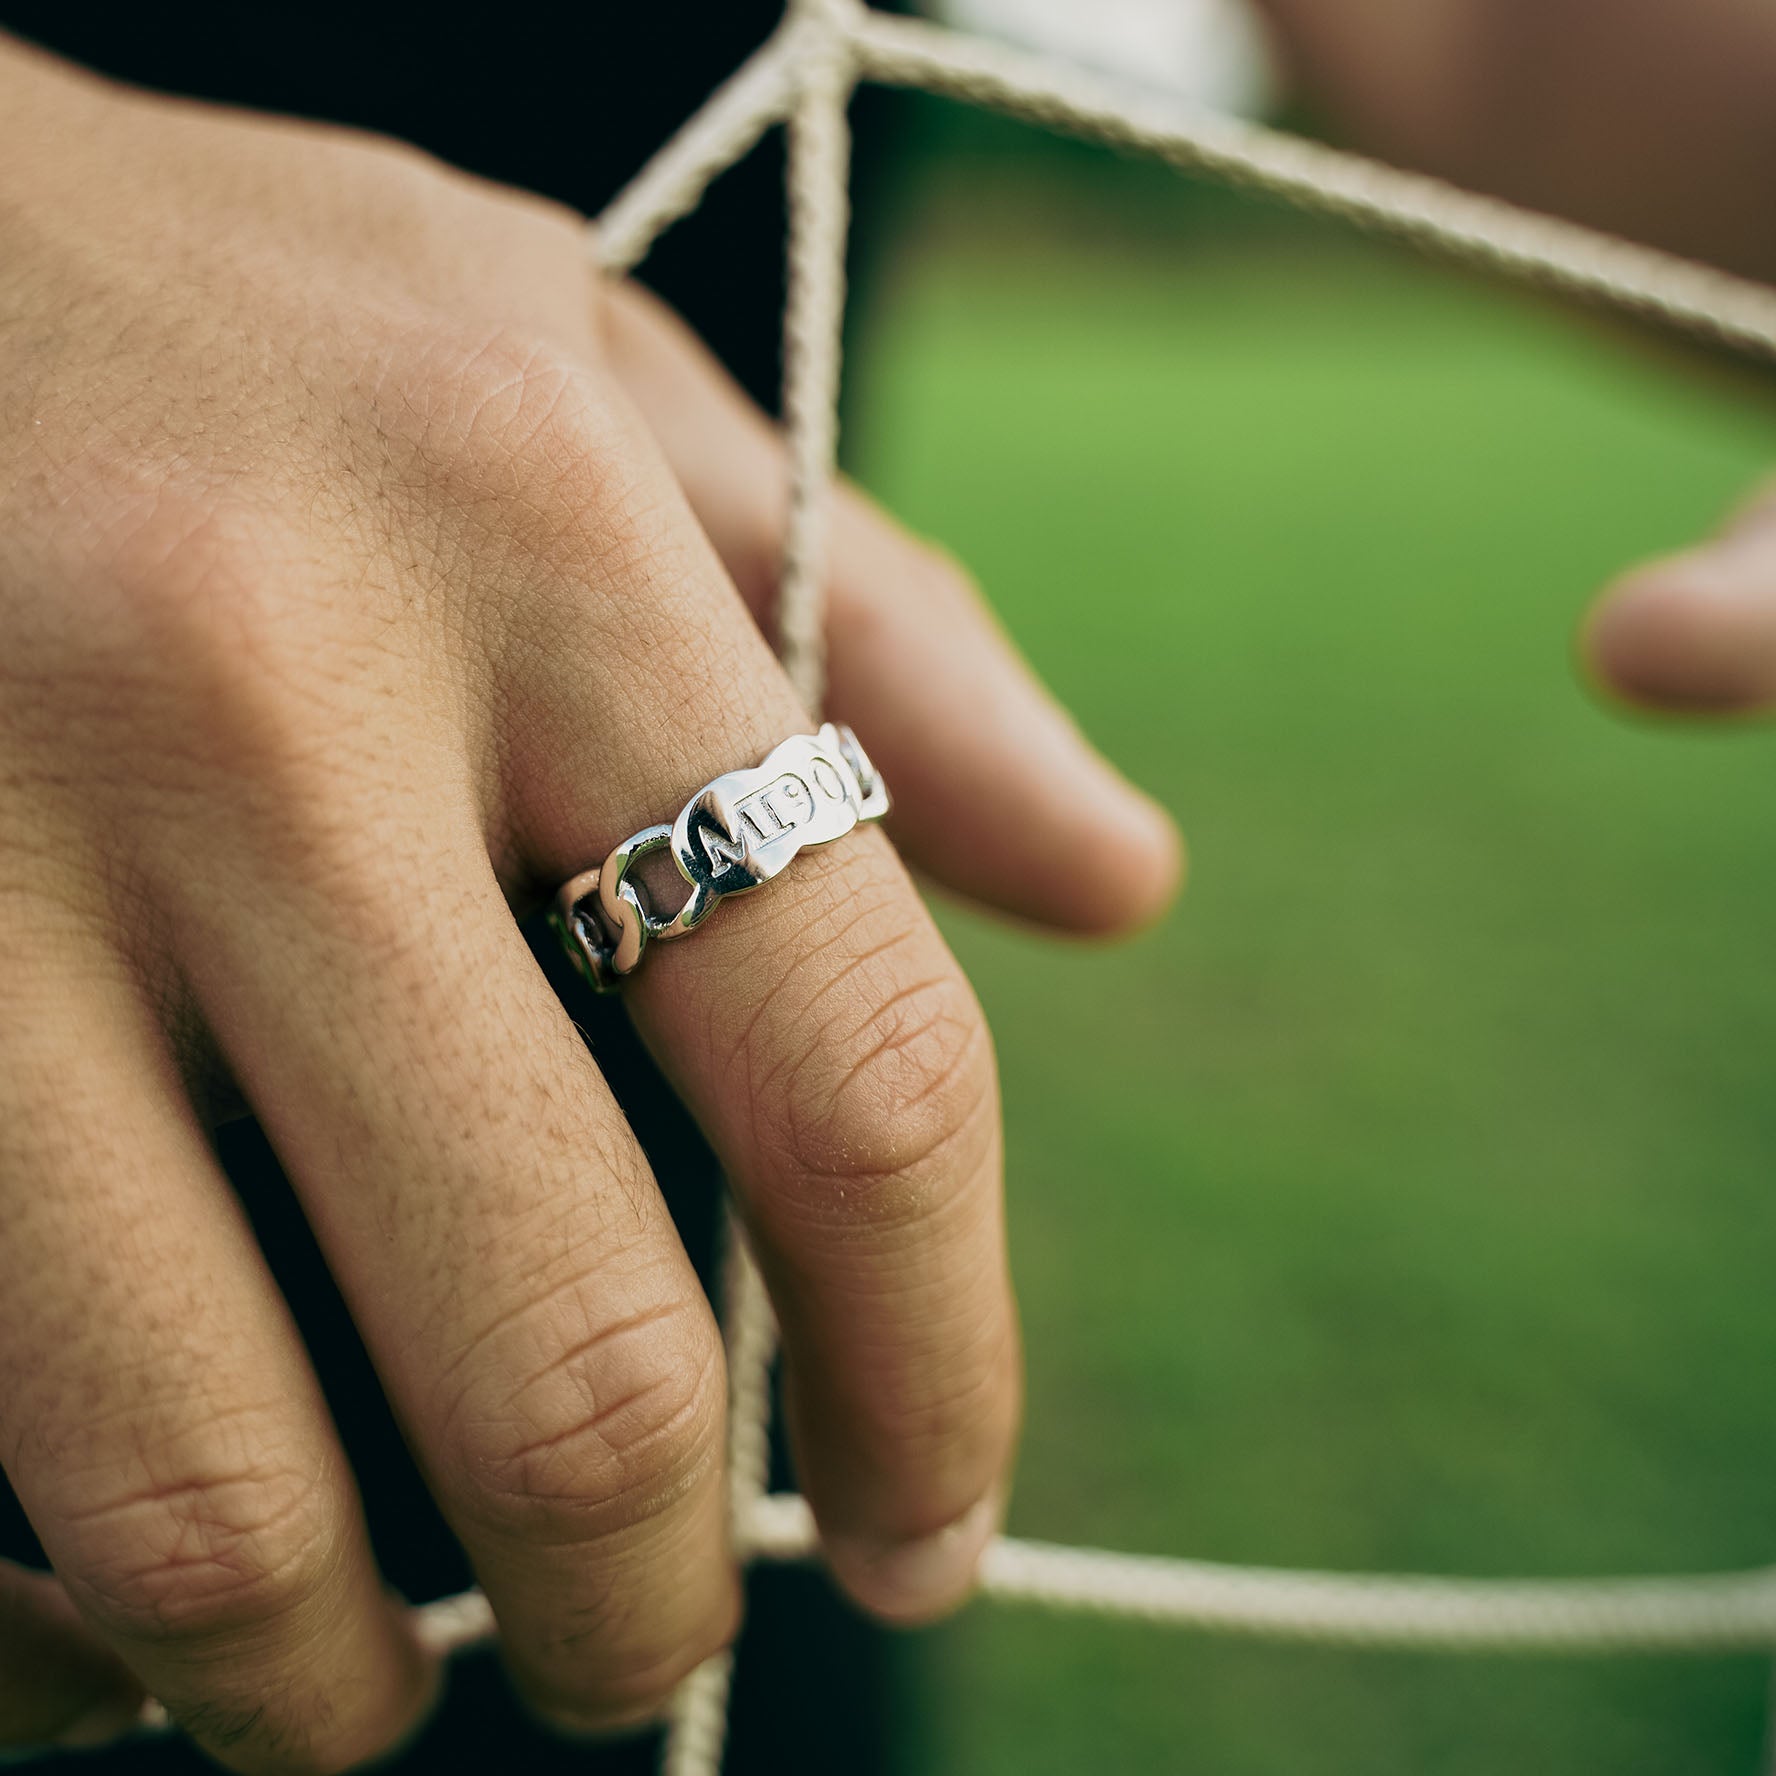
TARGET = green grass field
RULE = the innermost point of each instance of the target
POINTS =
(1409, 1199)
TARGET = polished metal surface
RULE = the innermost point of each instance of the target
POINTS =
(731, 836)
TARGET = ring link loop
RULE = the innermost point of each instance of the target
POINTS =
(733, 835)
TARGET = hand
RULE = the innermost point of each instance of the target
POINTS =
(350, 599)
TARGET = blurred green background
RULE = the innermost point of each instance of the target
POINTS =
(1406, 1200)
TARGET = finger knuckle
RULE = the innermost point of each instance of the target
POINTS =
(890, 1087)
(517, 429)
(898, 1096)
(516, 417)
(228, 681)
(502, 390)
(171, 580)
(572, 1425)
(192, 648)
(207, 1555)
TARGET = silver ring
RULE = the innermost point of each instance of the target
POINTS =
(732, 835)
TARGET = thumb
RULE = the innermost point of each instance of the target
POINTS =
(1696, 632)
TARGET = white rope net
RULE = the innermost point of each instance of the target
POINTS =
(803, 77)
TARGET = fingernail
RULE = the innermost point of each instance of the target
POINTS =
(913, 1581)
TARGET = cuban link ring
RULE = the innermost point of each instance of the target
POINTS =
(732, 835)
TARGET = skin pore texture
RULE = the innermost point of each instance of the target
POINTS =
(364, 571)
